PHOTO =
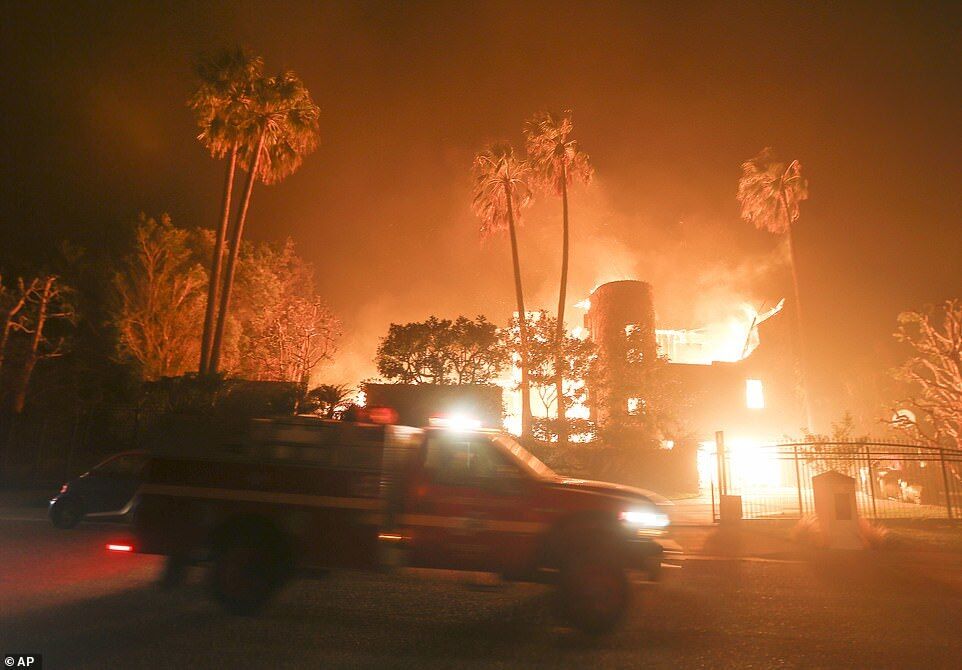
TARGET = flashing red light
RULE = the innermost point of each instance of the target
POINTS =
(384, 415)
(120, 547)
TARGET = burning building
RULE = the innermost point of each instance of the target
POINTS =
(739, 374)
(621, 321)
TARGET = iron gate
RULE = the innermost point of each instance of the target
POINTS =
(894, 480)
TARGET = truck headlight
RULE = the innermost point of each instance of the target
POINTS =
(640, 518)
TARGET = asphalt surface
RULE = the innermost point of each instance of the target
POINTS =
(63, 596)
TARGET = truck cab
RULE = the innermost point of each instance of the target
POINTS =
(477, 500)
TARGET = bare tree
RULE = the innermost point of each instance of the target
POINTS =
(50, 302)
(291, 342)
(576, 361)
(159, 304)
(12, 303)
(933, 373)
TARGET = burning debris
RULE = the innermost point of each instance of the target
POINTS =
(730, 340)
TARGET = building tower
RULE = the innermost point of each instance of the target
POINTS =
(619, 310)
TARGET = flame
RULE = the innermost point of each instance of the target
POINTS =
(730, 339)
(752, 464)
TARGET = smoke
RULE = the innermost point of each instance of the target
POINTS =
(702, 271)
(699, 270)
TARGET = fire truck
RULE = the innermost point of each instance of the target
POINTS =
(305, 496)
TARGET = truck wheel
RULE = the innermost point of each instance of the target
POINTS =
(245, 576)
(66, 513)
(174, 573)
(593, 590)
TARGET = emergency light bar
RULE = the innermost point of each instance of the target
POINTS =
(455, 422)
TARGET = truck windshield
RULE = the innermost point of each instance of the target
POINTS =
(525, 458)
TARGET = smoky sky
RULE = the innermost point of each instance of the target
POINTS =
(668, 99)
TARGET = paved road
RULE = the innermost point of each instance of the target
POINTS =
(61, 595)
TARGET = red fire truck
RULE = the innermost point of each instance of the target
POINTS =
(308, 495)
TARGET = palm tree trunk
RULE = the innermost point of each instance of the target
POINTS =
(216, 264)
(522, 323)
(232, 258)
(800, 356)
(562, 295)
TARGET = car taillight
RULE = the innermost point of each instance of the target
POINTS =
(63, 489)
(120, 547)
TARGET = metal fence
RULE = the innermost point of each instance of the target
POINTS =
(893, 480)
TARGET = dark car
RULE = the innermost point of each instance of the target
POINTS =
(105, 492)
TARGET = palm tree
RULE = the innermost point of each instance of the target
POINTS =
(330, 399)
(770, 194)
(556, 161)
(283, 120)
(501, 191)
(220, 103)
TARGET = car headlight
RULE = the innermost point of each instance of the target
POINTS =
(641, 518)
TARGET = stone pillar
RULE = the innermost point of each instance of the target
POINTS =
(836, 510)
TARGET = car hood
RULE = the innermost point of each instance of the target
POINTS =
(610, 490)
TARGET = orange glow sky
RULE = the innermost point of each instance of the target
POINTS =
(668, 99)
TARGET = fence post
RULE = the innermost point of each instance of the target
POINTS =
(798, 483)
(945, 484)
(871, 480)
(722, 469)
(714, 516)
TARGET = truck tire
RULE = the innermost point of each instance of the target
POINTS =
(593, 589)
(66, 513)
(174, 572)
(246, 573)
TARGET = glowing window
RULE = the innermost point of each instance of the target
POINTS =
(754, 395)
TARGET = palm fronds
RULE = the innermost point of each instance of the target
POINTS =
(770, 192)
(556, 159)
(500, 178)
